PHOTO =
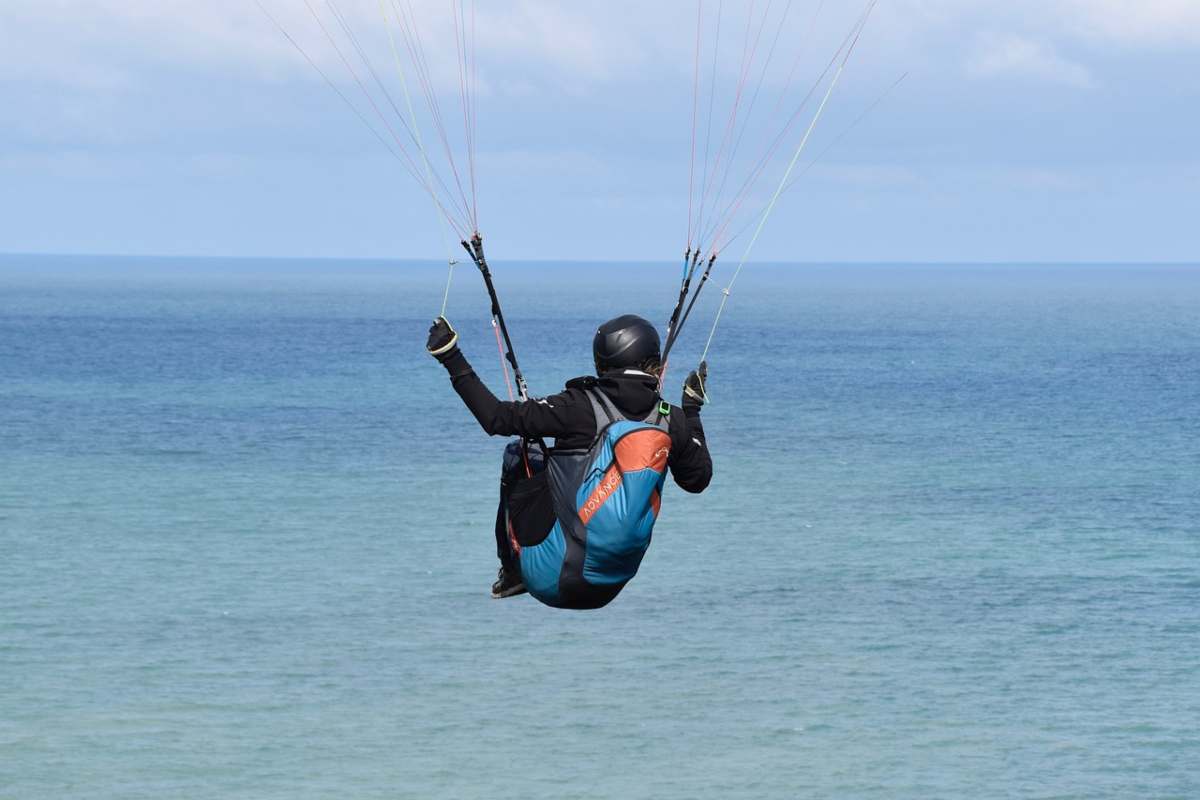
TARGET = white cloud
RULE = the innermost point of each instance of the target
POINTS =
(1132, 23)
(1137, 23)
(1009, 56)
(103, 43)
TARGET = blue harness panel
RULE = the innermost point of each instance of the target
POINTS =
(606, 501)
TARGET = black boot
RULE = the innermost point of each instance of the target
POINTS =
(509, 582)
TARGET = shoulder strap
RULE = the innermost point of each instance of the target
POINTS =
(659, 416)
(603, 408)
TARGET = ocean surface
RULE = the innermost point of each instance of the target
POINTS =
(951, 550)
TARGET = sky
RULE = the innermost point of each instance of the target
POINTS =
(1023, 130)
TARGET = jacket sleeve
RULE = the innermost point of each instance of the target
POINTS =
(556, 415)
(691, 465)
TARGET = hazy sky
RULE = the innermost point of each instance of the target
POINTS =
(1025, 130)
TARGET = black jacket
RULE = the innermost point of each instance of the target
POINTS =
(569, 419)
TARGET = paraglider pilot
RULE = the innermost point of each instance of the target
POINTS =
(574, 523)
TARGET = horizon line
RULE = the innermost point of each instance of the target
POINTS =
(442, 259)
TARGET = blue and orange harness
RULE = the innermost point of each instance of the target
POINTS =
(605, 501)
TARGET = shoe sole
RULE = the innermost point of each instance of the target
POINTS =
(511, 591)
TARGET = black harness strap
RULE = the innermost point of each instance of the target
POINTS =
(474, 249)
(677, 327)
(690, 260)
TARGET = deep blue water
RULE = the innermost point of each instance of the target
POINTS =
(952, 548)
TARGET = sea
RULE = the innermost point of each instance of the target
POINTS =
(951, 548)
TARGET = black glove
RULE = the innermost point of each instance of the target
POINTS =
(695, 386)
(443, 339)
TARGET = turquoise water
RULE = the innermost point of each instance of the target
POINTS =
(952, 548)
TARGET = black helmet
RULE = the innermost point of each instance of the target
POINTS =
(627, 342)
